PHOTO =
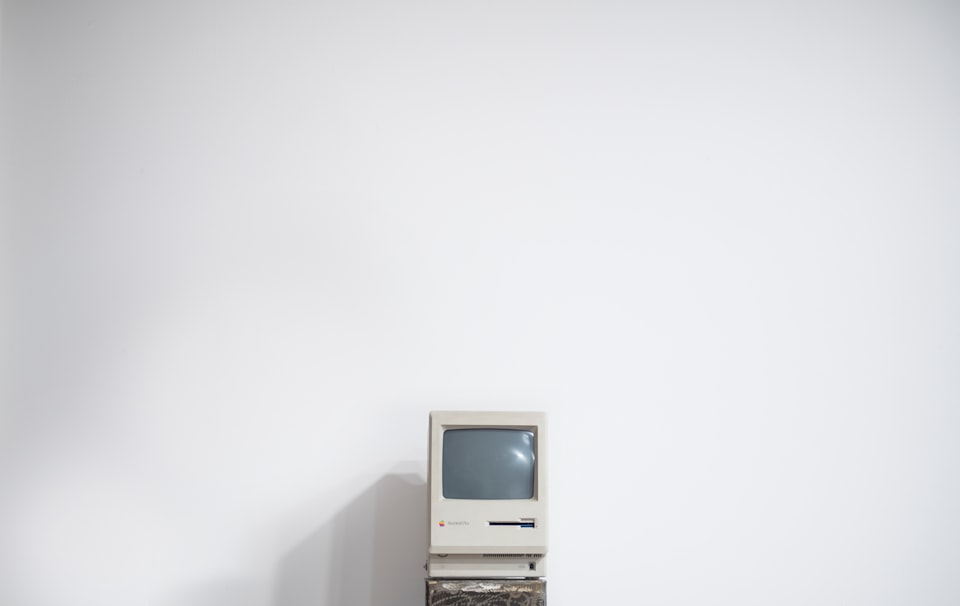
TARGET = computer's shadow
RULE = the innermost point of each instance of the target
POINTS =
(371, 553)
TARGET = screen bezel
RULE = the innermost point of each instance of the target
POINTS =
(533, 429)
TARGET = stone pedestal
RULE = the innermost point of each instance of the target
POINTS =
(486, 592)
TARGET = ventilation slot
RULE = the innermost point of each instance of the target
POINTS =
(512, 555)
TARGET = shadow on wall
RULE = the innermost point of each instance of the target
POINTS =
(370, 554)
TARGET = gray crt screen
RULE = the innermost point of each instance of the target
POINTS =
(488, 464)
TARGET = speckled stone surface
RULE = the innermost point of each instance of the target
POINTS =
(486, 592)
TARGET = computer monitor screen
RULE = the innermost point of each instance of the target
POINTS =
(488, 464)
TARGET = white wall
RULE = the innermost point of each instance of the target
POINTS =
(254, 243)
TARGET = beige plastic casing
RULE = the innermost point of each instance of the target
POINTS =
(461, 541)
